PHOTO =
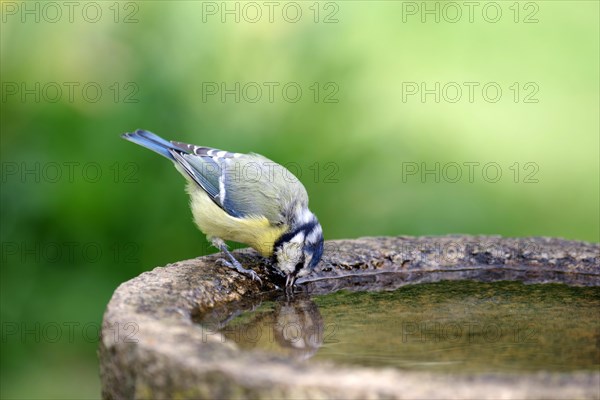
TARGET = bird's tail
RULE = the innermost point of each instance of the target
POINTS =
(153, 142)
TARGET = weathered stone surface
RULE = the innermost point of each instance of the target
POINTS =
(151, 348)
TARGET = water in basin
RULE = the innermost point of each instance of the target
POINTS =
(456, 327)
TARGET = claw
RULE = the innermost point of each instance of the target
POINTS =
(254, 276)
(233, 263)
(238, 267)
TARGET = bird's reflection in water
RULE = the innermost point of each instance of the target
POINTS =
(298, 327)
(286, 325)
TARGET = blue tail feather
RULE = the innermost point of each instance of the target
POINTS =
(153, 142)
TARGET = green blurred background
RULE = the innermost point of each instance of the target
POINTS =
(83, 210)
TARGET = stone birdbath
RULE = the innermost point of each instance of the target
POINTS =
(156, 344)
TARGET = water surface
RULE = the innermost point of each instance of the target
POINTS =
(454, 327)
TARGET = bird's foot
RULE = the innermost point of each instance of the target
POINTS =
(238, 267)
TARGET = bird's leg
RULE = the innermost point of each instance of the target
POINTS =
(233, 263)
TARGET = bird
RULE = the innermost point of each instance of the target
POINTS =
(245, 198)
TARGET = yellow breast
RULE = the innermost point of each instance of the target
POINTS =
(255, 231)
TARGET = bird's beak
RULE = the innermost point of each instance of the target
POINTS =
(290, 280)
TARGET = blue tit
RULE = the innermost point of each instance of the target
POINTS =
(246, 198)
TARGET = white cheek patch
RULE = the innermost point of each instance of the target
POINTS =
(290, 253)
(284, 263)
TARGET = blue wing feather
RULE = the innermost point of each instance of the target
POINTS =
(199, 163)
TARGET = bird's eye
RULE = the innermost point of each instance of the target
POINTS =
(298, 267)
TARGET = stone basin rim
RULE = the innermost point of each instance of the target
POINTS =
(161, 302)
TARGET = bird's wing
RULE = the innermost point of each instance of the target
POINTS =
(206, 166)
(242, 184)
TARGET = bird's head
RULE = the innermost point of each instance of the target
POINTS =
(299, 250)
